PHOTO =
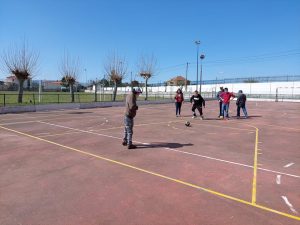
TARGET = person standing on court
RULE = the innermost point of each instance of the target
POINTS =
(178, 101)
(220, 101)
(226, 97)
(197, 102)
(130, 112)
(241, 103)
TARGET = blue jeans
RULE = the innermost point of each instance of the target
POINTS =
(128, 131)
(178, 107)
(225, 109)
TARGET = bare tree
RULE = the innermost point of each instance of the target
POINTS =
(21, 62)
(70, 71)
(115, 67)
(147, 67)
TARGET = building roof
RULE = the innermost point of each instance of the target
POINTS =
(178, 78)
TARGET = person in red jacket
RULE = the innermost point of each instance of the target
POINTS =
(226, 97)
(178, 101)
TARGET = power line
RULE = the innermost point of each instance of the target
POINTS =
(245, 59)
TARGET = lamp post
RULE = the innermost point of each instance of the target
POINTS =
(201, 57)
(186, 72)
(197, 44)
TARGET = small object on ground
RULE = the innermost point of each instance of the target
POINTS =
(187, 123)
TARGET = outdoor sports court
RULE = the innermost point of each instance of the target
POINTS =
(69, 167)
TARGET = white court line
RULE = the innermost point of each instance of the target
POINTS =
(288, 165)
(174, 150)
(289, 204)
(42, 134)
(278, 179)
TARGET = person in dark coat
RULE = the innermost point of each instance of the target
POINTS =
(197, 101)
(241, 103)
(220, 101)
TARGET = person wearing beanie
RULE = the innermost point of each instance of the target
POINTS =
(130, 112)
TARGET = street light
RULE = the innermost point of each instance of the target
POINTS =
(201, 57)
(197, 44)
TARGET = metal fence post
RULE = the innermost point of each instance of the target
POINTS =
(33, 98)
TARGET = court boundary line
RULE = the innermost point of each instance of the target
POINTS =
(225, 196)
(171, 149)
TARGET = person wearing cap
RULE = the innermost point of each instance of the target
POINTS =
(130, 112)
(220, 101)
(241, 103)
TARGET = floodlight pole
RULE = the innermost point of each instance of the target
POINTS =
(201, 57)
(186, 72)
(197, 44)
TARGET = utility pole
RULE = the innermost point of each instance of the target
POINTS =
(186, 72)
(197, 44)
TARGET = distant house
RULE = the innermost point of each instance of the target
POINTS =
(11, 80)
(178, 81)
(50, 85)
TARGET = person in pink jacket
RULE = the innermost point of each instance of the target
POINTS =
(225, 98)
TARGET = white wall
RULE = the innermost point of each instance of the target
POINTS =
(248, 88)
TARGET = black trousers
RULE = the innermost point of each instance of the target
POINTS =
(220, 107)
(199, 109)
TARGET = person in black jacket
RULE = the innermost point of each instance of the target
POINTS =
(220, 101)
(197, 102)
(241, 103)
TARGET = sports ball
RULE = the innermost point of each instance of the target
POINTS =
(187, 123)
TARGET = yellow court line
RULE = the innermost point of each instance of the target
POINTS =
(254, 182)
(161, 176)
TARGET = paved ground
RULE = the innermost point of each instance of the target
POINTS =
(69, 167)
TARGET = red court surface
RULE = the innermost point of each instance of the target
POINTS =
(69, 167)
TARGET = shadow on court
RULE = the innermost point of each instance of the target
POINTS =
(162, 145)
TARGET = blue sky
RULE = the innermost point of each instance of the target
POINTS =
(239, 38)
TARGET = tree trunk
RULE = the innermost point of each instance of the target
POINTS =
(146, 85)
(72, 92)
(115, 91)
(21, 89)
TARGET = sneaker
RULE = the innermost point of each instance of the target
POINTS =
(194, 116)
(124, 143)
(131, 146)
(201, 117)
(221, 117)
